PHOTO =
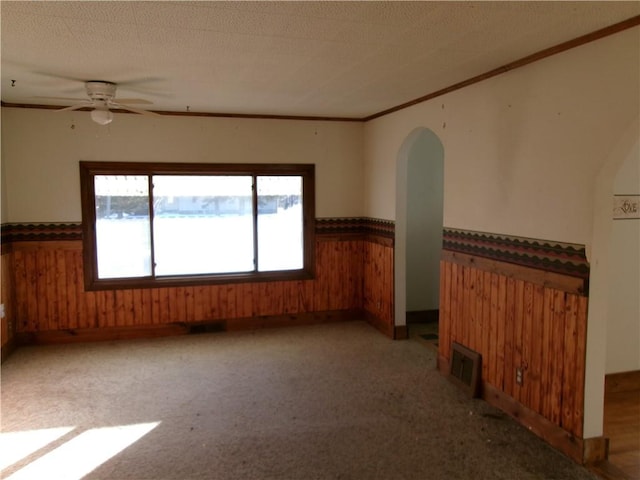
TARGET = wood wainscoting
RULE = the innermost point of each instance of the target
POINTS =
(7, 326)
(43, 274)
(521, 317)
(378, 285)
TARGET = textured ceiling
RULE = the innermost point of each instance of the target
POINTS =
(334, 59)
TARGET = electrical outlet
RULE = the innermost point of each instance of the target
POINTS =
(519, 376)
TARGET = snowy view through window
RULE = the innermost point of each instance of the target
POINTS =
(200, 225)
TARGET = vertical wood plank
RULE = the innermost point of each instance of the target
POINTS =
(147, 306)
(217, 307)
(527, 350)
(455, 292)
(116, 311)
(460, 319)
(537, 334)
(355, 275)
(291, 297)
(479, 289)
(61, 288)
(51, 295)
(581, 347)
(320, 298)
(91, 318)
(21, 282)
(493, 332)
(129, 317)
(165, 307)
(7, 297)
(501, 318)
(101, 309)
(155, 306)
(120, 317)
(465, 317)
(83, 320)
(275, 294)
(179, 309)
(486, 322)
(509, 333)
(137, 310)
(445, 309)
(71, 295)
(189, 304)
(336, 281)
(42, 321)
(569, 363)
(557, 356)
(247, 289)
(518, 317)
(545, 370)
(33, 291)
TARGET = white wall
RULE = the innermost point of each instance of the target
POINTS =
(523, 148)
(523, 156)
(3, 189)
(623, 314)
(41, 150)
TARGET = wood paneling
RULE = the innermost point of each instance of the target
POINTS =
(6, 298)
(50, 293)
(559, 281)
(515, 323)
(377, 295)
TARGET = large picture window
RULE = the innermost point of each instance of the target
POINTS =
(162, 224)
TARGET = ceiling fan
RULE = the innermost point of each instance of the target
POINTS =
(102, 99)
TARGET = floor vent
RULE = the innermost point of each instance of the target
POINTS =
(208, 327)
(465, 368)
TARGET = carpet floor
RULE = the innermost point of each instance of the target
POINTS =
(337, 401)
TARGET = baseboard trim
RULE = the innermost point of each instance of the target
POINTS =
(595, 450)
(293, 320)
(180, 328)
(73, 335)
(543, 428)
(622, 382)
(400, 332)
(583, 451)
(422, 316)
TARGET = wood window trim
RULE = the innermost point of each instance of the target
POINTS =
(88, 169)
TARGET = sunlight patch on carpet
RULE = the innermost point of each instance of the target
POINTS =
(15, 446)
(83, 453)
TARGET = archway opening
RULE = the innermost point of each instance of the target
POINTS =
(419, 223)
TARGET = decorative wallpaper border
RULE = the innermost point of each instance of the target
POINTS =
(564, 258)
(38, 232)
(626, 207)
(355, 225)
(30, 232)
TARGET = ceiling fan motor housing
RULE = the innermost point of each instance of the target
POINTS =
(100, 91)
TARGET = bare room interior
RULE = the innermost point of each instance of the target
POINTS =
(297, 240)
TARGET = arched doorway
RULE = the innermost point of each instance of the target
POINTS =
(604, 260)
(419, 222)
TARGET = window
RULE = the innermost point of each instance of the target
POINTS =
(163, 224)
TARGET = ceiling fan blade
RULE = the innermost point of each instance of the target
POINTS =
(66, 99)
(75, 107)
(133, 109)
(135, 101)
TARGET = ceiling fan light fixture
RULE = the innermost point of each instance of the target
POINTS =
(102, 116)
